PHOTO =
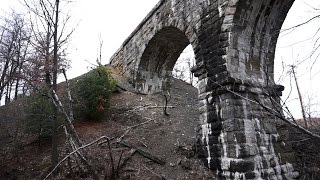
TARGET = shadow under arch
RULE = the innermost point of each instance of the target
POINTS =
(158, 59)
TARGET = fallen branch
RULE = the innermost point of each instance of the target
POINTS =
(126, 159)
(143, 143)
(118, 164)
(306, 139)
(113, 175)
(56, 101)
(134, 126)
(152, 107)
(69, 95)
(137, 108)
(70, 146)
(121, 137)
(73, 152)
(122, 88)
(302, 129)
(131, 127)
(144, 153)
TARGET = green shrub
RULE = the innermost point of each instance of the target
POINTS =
(92, 92)
(39, 116)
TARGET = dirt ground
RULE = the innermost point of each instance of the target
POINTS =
(140, 121)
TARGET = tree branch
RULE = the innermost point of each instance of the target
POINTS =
(73, 152)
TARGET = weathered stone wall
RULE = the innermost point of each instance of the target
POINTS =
(242, 135)
(153, 48)
(234, 43)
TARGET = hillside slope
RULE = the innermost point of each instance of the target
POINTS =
(140, 121)
(170, 138)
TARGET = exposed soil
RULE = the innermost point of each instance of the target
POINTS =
(170, 138)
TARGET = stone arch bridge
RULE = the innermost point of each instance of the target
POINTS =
(234, 43)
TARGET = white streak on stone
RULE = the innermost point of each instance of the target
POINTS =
(239, 176)
(237, 150)
(173, 2)
(221, 7)
(223, 143)
(258, 124)
(206, 131)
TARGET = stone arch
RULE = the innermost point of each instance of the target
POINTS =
(163, 50)
(234, 43)
(255, 29)
(160, 55)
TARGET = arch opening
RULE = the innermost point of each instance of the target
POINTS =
(158, 59)
(297, 68)
(184, 65)
(257, 27)
(298, 48)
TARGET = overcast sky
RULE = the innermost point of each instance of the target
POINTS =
(112, 20)
(115, 20)
(294, 48)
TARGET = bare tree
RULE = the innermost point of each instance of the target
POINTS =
(42, 19)
(48, 25)
(14, 45)
(48, 40)
(55, 155)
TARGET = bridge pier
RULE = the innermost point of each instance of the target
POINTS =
(239, 137)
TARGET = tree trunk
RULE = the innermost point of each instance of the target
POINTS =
(47, 57)
(54, 156)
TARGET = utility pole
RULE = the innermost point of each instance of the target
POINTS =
(300, 97)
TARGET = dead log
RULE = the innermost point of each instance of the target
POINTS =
(144, 153)
(126, 158)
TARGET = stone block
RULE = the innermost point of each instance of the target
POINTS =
(211, 117)
(268, 174)
(213, 140)
(233, 150)
(217, 125)
(268, 126)
(242, 165)
(235, 124)
(214, 151)
(206, 108)
(248, 150)
(252, 175)
(215, 163)
(228, 19)
(230, 125)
